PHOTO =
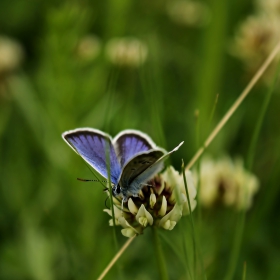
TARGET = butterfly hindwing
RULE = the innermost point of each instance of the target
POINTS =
(91, 145)
(129, 143)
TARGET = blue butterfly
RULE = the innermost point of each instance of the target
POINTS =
(134, 157)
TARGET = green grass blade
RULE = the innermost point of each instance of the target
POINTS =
(159, 255)
(244, 271)
(195, 244)
(253, 144)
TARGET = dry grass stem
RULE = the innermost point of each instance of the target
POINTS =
(117, 256)
(235, 105)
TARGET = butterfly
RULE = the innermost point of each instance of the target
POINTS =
(134, 157)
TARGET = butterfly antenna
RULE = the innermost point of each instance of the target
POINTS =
(89, 180)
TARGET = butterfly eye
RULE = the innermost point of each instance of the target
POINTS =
(118, 190)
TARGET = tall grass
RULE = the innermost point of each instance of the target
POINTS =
(52, 226)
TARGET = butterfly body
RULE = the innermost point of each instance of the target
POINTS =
(134, 157)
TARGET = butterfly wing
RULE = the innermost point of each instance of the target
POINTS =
(91, 145)
(137, 166)
(154, 167)
(129, 143)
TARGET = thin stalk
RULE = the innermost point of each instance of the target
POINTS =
(213, 110)
(181, 255)
(117, 256)
(235, 105)
(110, 90)
(108, 164)
(159, 256)
(197, 124)
(244, 271)
(271, 194)
(236, 246)
(152, 91)
(252, 147)
(188, 196)
(250, 158)
(109, 185)
(191, 217)
(187, 259)
(212, 53)
(196, 248)
(156, 90)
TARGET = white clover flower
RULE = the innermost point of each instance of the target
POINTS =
(117, 213)
(188, 12)
(169, 221)
(226, 182)
(162, 203)
(89, 47)
(126, 51)
(173, 178)
(256, 37)
(11, 55)
(269, 6)
(250, 183)
(127, 230)
(143, 217)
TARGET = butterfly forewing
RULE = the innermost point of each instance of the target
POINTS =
(138, 165)
(137, 184)
(130, 143)
(147, 174)
(91, 145)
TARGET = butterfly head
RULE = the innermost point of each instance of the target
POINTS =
(119, 192)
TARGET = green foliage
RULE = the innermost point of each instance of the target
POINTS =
(51, 225)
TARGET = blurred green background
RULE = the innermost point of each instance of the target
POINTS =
(51, 225)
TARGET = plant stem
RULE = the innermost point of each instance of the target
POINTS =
(192, 223)
(196, 248)
(117, 256)
(236, 245)
(253, 144)
(235, 105)
(198, 169)
(112, 83)
(244, 271)
(250, 159)
(212, 53)
(159, 256)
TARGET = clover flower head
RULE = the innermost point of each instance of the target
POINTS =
(162, 203)
(269, 6)
(188, 13)
(226, 182)
(11, 55)
(127, 51)
(89, 47)
(256, 37)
